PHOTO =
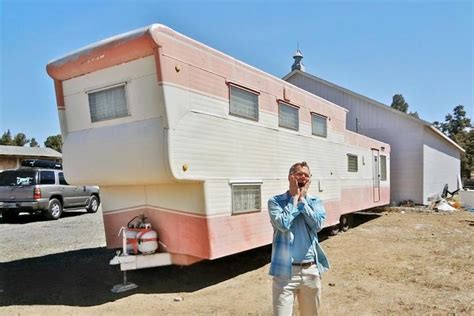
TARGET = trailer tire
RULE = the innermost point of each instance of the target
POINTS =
(333, 230)
(344, 222)
(55, 209)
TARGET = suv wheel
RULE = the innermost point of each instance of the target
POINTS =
(9, 216)
(55, 209)
(93, 205)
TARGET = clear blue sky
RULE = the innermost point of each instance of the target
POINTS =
(422, 49)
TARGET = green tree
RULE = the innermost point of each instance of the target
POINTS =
(398, 103)
(20, 140)
(454, 123)
(6, 139)
(457, 126)
(465, 139)
(33, 143)
(54, 142)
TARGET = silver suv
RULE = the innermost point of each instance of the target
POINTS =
(40, 186)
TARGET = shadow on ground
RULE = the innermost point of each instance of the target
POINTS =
(26, 218)
(363, 217)
(355, 219)
(84, 277)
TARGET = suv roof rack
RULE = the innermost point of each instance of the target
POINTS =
(38, 163)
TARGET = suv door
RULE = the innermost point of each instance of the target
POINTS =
(80, 195)
(69, 191)
(83, 195)
(48, 184)
(77, 195)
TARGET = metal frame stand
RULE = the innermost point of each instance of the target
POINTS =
(125, 286)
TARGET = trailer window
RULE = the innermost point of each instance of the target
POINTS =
(352, 164)
(108, 104)
(383, 168)
(243, 103)
(319, 125)
(288, 116)
(246, 198)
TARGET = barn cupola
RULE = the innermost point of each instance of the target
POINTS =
(297, 64)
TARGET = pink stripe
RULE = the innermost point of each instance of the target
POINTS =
(353, 200)
(181, 233)
(359, 140)
(233, 234)
(191, 238)
(101, 57)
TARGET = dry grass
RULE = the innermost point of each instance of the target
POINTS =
(417, 263)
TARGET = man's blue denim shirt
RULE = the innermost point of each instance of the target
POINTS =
(282, 214)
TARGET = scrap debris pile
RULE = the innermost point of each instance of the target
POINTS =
(447, 204)
(449, 201)
(444, 202)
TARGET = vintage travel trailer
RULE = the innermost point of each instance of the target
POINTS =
(198, 141)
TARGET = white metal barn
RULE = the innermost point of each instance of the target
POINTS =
(423, 159)
(198, 141)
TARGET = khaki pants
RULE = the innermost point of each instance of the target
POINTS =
(305, 285)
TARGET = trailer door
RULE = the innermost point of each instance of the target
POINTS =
(376, 175)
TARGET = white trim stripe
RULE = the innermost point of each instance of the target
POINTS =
(185, 213)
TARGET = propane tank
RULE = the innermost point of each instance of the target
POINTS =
(138, 236)
(147, 239)
(132, 242)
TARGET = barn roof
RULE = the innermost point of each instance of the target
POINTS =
(28, 151)
(374, 103)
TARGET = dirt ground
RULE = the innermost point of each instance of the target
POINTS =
(391, 263)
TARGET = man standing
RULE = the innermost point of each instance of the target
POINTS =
(297, 257)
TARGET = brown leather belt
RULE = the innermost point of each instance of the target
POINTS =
(304, 265)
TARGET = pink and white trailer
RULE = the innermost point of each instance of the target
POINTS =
(198, 141)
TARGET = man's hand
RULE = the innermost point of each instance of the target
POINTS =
(304, 190)
(294, 189)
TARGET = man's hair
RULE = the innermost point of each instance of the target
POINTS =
(299, 164)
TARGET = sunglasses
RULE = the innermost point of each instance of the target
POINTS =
(302, 174)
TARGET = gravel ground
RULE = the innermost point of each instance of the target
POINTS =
(32, 236)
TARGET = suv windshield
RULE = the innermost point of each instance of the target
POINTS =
(18, 177)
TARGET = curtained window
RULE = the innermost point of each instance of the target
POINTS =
(243, 103)
(246, 198)
(288, 116)
(352, 163)
(108, 104)
(319, 125)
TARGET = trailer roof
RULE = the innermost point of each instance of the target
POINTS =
(89, 48)
(139, 43)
